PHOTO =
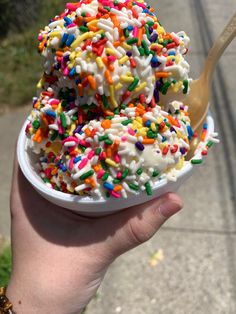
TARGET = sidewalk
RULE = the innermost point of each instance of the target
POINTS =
(12, 122)
(196, 250)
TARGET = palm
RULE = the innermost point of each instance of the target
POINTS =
(60, 241)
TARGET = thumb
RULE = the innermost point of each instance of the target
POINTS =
(136, 225)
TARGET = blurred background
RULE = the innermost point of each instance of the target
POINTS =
(190, 265)
(20, 22)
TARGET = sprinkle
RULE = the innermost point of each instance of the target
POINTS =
(139, 171)
(145, 47)
(125, 173)
(83, 163)
(196, 161)
(98, 151)
(133, 63)
(80, 39)
(132, 41)
(134, 84)
(70, 40)
(186, 84)
(112, 96)
(133, 186)
(148, 141)
(126, 122)
(108, 77)
(148, 189)
(87, 175)
(139, 146)
(103, 138)
(162, 74)
(100, 174)
(190, 132)
(210, 144)
(106, 124)
(155, 174)
(105, 101)
(116, 195)
(38, 137)
(92, 82)
(111, 163)
(70, 144)
(108, 186)
(77, 159)
(50, 113)
(105, 176)
(165, 88)
(81, 187)
(123, 60)
(118, 188)
(63, 120)
(174, 149)
(126, 79)
(165, 150)
(91, 154)
(140, 87)
(67, 20)
(100, 62)
(36, 124)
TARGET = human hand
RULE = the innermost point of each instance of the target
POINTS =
(60, 258)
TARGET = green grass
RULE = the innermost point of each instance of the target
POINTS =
(20, 66)
(5, 266)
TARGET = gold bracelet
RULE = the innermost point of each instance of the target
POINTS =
(5, 304)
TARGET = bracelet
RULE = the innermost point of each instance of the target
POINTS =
(5, 304)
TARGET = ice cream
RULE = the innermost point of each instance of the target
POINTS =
(98, 126)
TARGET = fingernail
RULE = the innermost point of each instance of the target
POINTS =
(169, 208)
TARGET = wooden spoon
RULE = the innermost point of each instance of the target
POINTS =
(199, 95)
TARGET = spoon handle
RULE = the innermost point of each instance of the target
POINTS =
(219, 47)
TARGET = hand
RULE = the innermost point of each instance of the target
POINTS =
(60, 257)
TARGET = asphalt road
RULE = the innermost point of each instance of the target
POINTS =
(196, 269)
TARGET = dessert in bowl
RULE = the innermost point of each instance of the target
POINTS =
(99, 138)
(91, 206)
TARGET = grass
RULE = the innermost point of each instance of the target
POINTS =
(5, 266)
(20, 67)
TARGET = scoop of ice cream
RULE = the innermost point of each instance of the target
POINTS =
(97, 126)
(109, 156)
(111, 52)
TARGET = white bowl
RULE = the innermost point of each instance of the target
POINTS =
(103, 206)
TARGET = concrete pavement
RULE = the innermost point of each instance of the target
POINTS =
(11, 122)
(196, 269)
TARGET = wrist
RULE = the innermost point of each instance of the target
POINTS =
(38, 286)
(31, 299)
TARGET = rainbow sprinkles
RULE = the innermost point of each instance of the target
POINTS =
(98, 125)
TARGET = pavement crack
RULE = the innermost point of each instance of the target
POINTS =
(200, 231)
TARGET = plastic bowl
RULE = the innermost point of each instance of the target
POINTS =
(103, 206)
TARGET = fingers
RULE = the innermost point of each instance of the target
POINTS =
(138, 224)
